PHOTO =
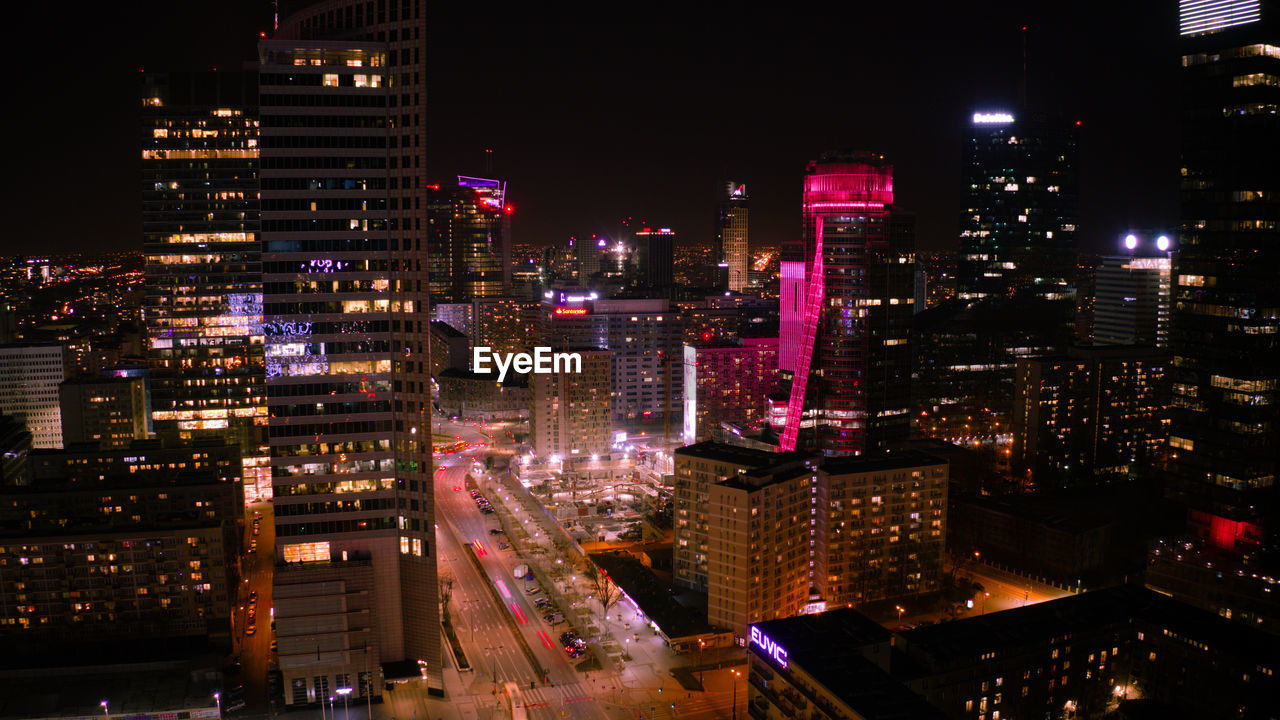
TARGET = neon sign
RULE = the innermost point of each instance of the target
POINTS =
(999, 118)
(574, 311)
(770, 648)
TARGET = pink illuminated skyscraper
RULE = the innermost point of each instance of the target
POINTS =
(847, 293)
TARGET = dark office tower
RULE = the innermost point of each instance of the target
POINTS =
(470, 239)
(590, 255)
(203, 306)
(731, 234)
(1018, 234)
(344, 365)
(841, 302)
(655, 257)
(1225, 432)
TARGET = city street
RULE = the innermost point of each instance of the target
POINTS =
(254, 651)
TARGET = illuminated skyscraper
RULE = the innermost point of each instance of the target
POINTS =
(1018, 234)
(731, 234)
(203, 306)
(1133, 294)
(846, 312)
(347, 358)
(1225, 431)
(470, 239)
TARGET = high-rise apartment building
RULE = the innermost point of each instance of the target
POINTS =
(880, 530)
(1225, 414)
(643, 337)
(846, 312)
(347, 361)
(203, 304)
(732, 248)
(30, 374)
(110, 411)
(1094, 415)
(569, 413)
(697, 468)
(1018, 233)
(758, 544)
(1133, 296)
(876, 529)
(504, 324)
(131, 544)
(727, 381)
(470, 239)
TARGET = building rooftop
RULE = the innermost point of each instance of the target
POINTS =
(721, 452)
(446, 329)
(873, 463)
(958, 642)
(827, 647)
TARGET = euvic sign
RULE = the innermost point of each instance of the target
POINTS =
(770, 648)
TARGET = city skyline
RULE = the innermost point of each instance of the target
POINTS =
(678, 152)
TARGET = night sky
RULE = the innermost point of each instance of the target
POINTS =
(593, 118)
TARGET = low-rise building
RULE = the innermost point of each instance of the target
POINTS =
(109, 411)
(479, 396)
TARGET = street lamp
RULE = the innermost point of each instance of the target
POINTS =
(104, 709)
(736, 675)
(217, 697)
(346, 709)
(900, 610)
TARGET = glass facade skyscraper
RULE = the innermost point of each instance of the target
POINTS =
(203, 306)
(344, 188)
(1225, 339)
(1018, 234)
(846, 312)
(732, 234)
(470, 236)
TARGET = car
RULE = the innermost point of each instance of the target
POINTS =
(253, 596)
(578, 642)
(251, 629)
(457, 487)
(495, 531)
(274, 645)
(575, 652)
(554, 618)
(567, 636)
(234, 668)
(533, 590)
(503, 546)
(487, 510)
(253, 614)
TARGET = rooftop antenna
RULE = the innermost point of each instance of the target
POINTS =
(1024, 68)
(488, 161)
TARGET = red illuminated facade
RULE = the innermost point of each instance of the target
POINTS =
(846, 308)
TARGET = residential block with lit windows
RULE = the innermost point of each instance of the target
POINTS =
(727, 382)
(1080, 656)
(133, 544)
(880, 527)
(570, 413)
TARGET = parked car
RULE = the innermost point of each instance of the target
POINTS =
(567, 636)
(533, 590)
(554, 618)
(495, 531)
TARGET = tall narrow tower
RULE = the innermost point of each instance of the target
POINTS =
(837, 341)
(731, 233)
(1225, 415)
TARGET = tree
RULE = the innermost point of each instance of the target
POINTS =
(445, 580)
(606, 592)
